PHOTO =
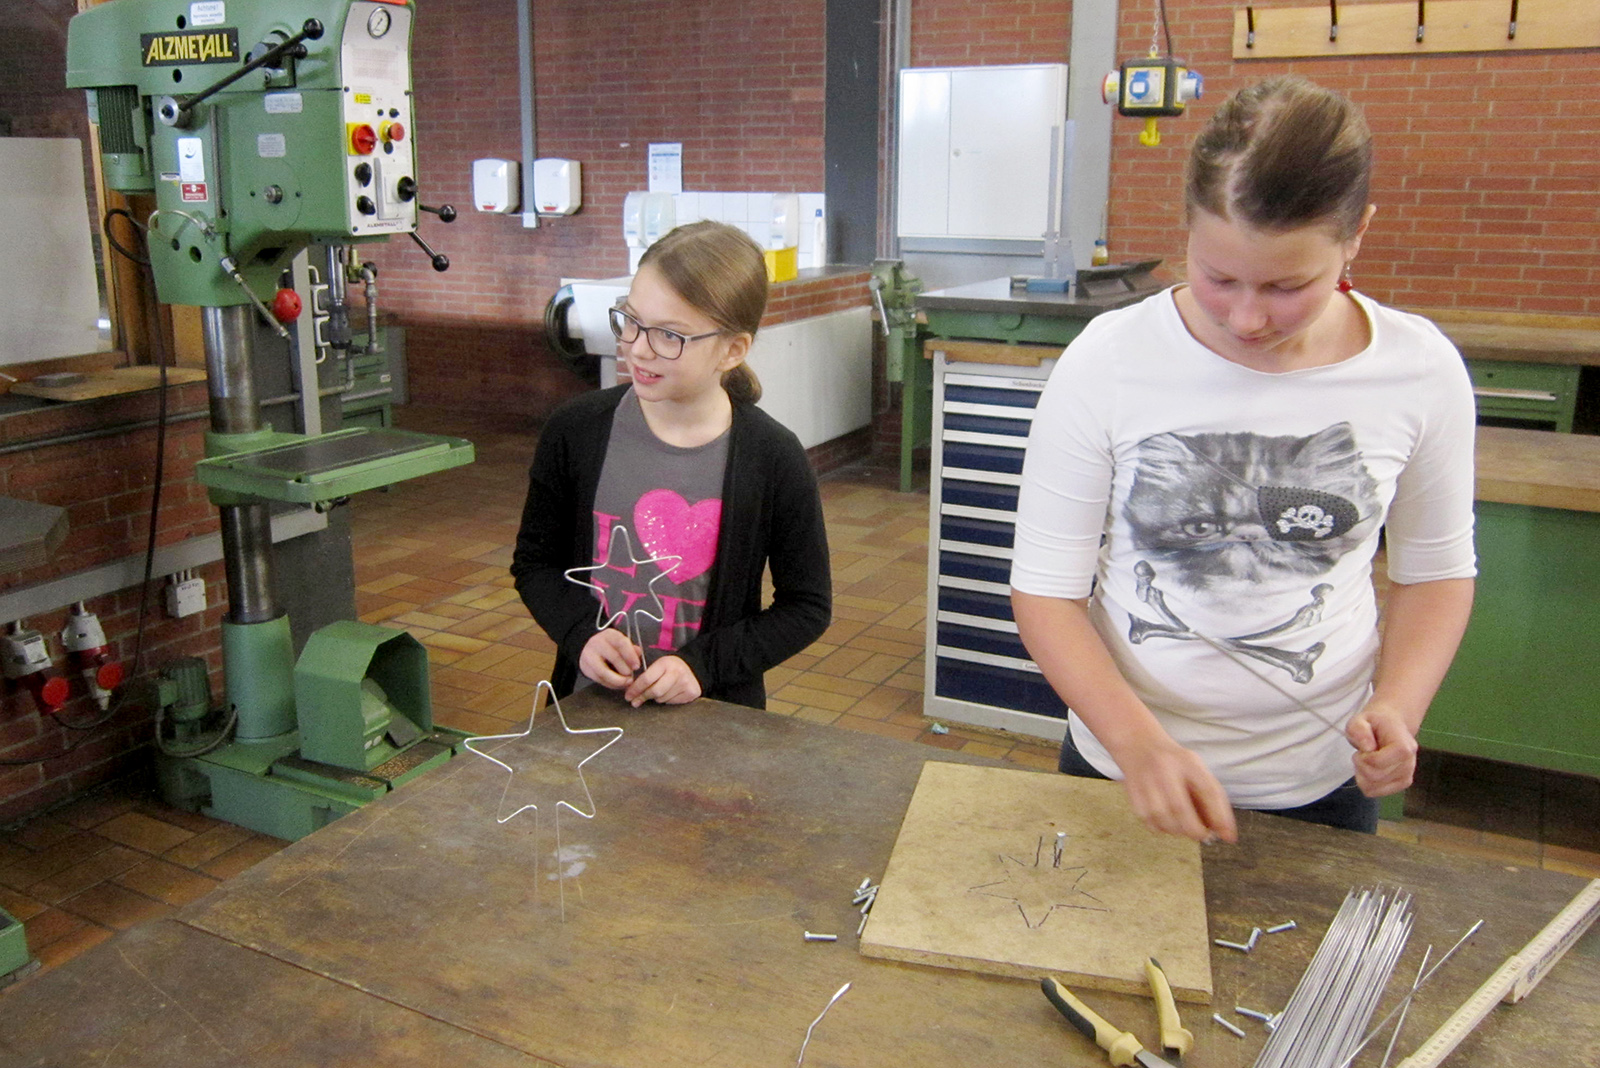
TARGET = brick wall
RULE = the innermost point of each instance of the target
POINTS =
(104, 483)
(1487, 180)
(740, 85)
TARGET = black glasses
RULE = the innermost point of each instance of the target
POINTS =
(668, 344)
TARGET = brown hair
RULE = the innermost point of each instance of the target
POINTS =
(719, 271)
(1281, 154)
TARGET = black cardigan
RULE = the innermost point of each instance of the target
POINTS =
(771, 515)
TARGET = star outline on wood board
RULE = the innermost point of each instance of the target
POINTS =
(511, 773)
(1014, 876)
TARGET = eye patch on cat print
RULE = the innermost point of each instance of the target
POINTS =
(1230, 487)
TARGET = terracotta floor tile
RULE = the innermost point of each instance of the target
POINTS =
(112, 906)
(138, 831)
(805, 695)
(877, 668)
(19, 905)
(813, 714)
(503, 627)
(76, 941)
(47, 926)
(457, 642)
(172, 884)
(1035, 759)
(872, 726)
(243, 856)
(203, 847)
(477, 723)
(95, 809)
(197, 822)
(98, 868)
(60, 855)
(816, 679)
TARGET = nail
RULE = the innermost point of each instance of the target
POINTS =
(812, 936)
(1262, 1016)
(1228, 1025)
(864, 884)
(1240, 946)
(862, 926)
(1255, 934)
(1281, 928)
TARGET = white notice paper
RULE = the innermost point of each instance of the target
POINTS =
(666, 168)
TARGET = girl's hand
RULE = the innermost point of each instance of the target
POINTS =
(610, 659)
(1173, 791)
(668, 681)
(1386, 750)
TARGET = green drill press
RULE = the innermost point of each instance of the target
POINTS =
(264, 128)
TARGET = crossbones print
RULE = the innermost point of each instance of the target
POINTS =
(1299, 665)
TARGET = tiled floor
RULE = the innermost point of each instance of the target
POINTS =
(431, 556)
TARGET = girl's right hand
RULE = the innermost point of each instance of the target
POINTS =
(1173, 791)
(610, 659)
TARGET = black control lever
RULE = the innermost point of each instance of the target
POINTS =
(175, 113)
(441, 262)
(406, 190)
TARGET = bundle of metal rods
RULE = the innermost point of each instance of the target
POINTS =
(1329, 1010)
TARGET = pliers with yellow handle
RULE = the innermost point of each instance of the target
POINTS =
(1122, 1047)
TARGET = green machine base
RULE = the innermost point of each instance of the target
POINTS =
(359, 724)
(13, 945)
(272, 789)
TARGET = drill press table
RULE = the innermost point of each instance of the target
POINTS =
(416, 931)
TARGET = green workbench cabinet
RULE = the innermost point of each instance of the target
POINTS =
(1525, 685)
(1533, 392)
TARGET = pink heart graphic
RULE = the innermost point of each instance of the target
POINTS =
(669, 526)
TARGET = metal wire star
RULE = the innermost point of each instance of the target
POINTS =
(629, 620)
(544, 687)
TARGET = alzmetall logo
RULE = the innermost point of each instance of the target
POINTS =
(196, 46)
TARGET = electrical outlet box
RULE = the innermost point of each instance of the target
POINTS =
(186, 597)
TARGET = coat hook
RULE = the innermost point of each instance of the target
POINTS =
(1250, 24)
(1421, 18)
(1511, 30)
(1333, 20)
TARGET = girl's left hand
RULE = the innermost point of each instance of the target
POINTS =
(1386, 750)
(668, 681)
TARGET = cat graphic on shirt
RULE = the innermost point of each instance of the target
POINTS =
(1225, 512)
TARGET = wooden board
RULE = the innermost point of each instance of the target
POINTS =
(1369, 29)
(973, 884)
(1539, 468)
(110, 382)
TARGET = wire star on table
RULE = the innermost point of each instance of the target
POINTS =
(629, 620)
(544, 687)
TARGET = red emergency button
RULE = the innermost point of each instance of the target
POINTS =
(286, 307)
(363, 139)
(394, 131)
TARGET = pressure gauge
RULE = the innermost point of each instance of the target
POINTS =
(378, 22)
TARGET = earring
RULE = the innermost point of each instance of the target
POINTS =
(1346, 283)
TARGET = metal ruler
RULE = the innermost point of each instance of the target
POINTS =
(1514, 979)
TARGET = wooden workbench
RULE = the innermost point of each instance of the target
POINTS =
(413, 931)
(1522, 687)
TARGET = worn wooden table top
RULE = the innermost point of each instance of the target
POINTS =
(1538, 467)
(419, 931)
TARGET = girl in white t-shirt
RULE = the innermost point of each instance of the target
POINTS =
(1205, 485)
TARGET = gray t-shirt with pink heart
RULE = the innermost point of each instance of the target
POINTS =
(657, 514)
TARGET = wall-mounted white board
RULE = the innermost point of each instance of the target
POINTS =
(49, 288)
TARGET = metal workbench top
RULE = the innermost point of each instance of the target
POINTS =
(996, 295)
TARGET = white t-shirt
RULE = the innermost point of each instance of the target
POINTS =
(1240, 512)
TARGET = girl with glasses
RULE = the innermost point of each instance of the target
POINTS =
(1205, 484)
(671, 494)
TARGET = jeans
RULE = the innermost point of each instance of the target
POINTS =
(1345, 806)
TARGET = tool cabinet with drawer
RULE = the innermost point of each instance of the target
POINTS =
(978, 671)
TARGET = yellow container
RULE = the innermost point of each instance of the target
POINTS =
(783, 264)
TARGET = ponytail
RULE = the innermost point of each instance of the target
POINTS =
(742, 385)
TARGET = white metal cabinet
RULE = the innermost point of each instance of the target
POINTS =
(975, 149)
